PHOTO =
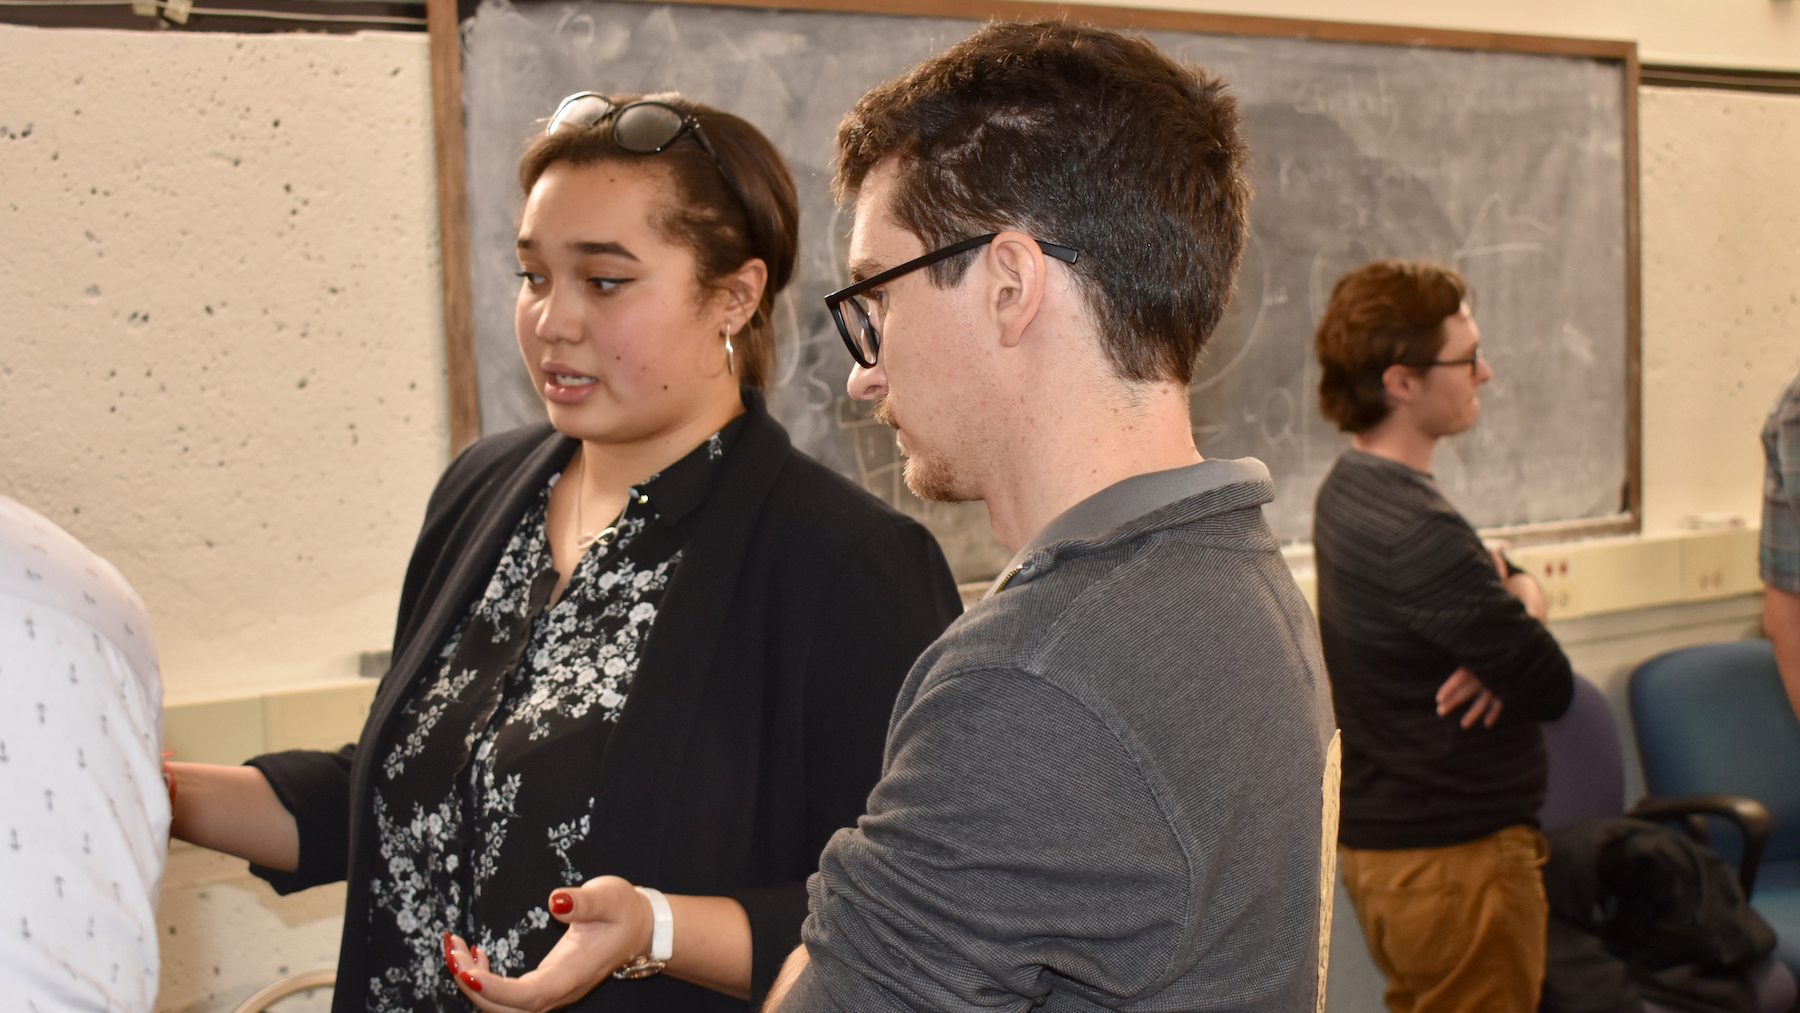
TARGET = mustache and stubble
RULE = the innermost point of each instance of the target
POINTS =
(929, 476)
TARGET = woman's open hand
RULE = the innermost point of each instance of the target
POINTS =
(609, 923)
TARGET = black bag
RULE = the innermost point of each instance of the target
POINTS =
(1640, 912)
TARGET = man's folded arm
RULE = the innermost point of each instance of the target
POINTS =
(1455, 599)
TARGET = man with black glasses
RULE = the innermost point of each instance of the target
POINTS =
(1111, 784)
(1440, 665)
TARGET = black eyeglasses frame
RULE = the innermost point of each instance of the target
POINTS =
(836, 301)
(690, 124)
(1473, 361)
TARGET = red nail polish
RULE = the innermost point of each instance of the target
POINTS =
(469, 980)
(561, 903)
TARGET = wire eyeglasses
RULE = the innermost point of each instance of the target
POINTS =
(647, 127)
(856, 318)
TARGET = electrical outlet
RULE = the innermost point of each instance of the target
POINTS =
(1719, 563)
(1558, 572)
(1560, 577)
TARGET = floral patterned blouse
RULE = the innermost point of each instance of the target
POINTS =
(480, 805)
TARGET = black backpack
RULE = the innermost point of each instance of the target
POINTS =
(1640, 912)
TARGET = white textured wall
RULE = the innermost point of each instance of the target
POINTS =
(220, 362)
(1721, 233)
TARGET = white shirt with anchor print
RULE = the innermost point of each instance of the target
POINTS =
(84, 815)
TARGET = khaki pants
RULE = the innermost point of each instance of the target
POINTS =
(1455, 929)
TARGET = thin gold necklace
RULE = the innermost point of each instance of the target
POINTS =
(585, 540)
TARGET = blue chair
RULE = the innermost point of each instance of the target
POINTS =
(1587, 778)
(1714, 720)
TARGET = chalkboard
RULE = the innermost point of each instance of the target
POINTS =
(1513, 167)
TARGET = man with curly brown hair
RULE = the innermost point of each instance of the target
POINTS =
(1441, 668)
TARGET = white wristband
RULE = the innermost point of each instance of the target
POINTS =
(662, 935)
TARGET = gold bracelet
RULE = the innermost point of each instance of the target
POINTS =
(642, 966)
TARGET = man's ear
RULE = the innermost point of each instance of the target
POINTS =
(1399, 382)
(1016, 275)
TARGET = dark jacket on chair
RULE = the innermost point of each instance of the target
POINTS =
(1640, 912)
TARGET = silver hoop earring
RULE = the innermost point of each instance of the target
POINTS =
(729, 366)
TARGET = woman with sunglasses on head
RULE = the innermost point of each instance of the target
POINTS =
(646, 652)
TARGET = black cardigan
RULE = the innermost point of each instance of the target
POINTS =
(755, 723)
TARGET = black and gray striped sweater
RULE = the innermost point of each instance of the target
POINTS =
(1407, 593)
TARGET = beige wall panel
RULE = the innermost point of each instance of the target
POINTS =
(324, 718)
(1728, 33)
(216, 731)
(1721, 218)
(222, 366)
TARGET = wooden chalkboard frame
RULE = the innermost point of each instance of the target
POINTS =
(442, 18)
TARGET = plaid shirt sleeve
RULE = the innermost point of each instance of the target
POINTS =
(1780, 556)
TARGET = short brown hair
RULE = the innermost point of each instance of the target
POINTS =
(722, 231)
(1387, 313)
(1082, 137)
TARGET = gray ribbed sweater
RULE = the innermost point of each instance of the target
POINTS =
(1102, 786)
